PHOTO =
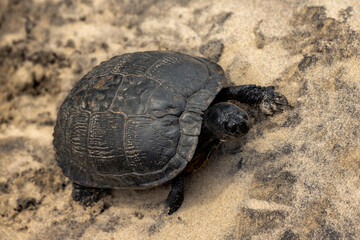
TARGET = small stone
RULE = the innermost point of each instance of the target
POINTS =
(70, 43)
(22, 78)
(38, 73)
(212, 50)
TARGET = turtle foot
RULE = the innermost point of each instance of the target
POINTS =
(86, 196)
(176, 195)
(273, 102)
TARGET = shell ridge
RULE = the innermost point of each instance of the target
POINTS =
(115, 95)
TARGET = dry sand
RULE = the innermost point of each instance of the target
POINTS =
(301, 168)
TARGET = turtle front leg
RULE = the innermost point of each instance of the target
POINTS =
(176, 195)
(86, 195)
(266, 97)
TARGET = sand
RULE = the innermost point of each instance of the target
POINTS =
(299, 177)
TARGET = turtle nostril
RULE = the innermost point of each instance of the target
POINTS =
(244, 127)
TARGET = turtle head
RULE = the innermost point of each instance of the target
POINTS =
(226, 120)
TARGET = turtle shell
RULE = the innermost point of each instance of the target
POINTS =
(134, 120)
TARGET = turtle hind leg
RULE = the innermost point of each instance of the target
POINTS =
(87, 195)
(176, 195)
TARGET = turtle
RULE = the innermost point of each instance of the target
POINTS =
(142, 119)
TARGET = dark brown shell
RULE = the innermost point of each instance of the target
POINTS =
(134, 121)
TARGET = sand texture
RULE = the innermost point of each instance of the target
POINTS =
(296, 175)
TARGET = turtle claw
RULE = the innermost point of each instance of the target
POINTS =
(281, 101)
(273, 102)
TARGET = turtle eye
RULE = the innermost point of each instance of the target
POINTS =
(230, 127)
